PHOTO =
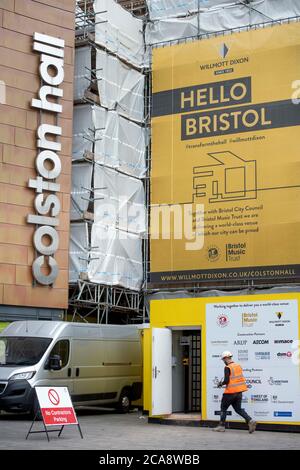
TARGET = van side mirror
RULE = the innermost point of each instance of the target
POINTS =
(55, 362)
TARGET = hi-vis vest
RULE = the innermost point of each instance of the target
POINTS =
(237, 382)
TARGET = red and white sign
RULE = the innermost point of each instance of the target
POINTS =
(56, 406)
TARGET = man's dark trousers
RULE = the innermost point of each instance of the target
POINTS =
(234, 400)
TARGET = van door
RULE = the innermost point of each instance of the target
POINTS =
(122, 365)
(62, 377)
(90, 381)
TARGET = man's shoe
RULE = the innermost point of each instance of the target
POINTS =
(219, 429)
(252, 426)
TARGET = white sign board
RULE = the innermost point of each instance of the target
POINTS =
(263, 337)
(56, 406)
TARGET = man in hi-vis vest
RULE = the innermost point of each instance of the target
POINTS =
(235, 383)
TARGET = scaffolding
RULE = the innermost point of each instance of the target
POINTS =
(89, 301)
(96, 302)
(257, 20)
(136, 7)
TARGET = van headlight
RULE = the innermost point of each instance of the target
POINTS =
(23, 376)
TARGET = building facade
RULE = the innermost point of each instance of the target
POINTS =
(36, 108)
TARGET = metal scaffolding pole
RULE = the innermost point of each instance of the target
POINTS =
(89, 301)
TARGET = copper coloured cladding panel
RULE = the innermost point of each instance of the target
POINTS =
(19, 72)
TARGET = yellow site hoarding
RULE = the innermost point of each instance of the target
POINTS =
(225, 179)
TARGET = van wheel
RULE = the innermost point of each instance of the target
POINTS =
(124, 402)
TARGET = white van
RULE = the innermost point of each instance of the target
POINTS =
(100, 364)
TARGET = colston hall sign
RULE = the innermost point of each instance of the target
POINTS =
(48, 164)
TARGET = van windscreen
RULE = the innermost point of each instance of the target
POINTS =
(22, 351)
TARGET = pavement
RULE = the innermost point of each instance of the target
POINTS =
(107, 430)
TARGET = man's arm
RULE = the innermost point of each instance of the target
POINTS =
(226, 376)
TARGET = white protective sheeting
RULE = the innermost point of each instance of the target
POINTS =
(81, 189)
(119, 200)
(277, 9)
(119, 32)
(121, 88)
(116, 258)
(169, 8)
(256, 12)
(83, 131)
(170, 29)
(120, 144)
(172, 8)
(82, 71)
(226, 17)
(78, 251)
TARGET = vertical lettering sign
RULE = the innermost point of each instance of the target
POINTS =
(47, 204)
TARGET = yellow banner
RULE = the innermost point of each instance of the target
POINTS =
(225, 180)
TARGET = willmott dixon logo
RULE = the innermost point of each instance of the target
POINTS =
(224, 50)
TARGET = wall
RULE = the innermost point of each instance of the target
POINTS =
(19, 19)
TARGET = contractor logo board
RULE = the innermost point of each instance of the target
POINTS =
(225, 125)
(266, 350)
